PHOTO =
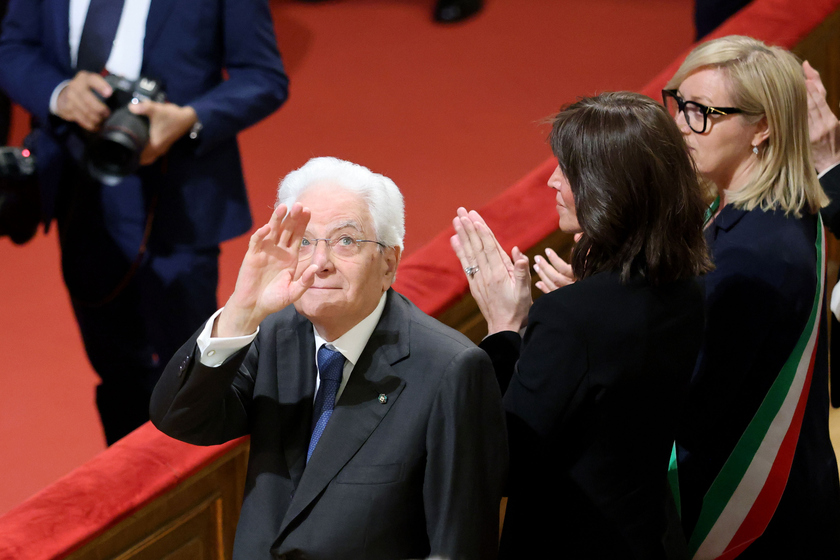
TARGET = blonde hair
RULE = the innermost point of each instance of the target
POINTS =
(766, 81)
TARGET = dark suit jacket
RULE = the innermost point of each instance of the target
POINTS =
(188, 43)
(591, 407)
(411, 463)
(831, 214)
(758, 300)
(831, 218)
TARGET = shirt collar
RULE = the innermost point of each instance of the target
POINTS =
(353, 342)
(728, 217)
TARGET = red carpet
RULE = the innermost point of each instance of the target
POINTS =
(450, 113)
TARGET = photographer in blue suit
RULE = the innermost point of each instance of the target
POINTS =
(140, 258)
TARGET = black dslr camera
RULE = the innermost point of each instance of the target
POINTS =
(20, 209)
(114, 151)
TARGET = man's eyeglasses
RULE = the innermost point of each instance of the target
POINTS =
(696, 114)
(343, 247)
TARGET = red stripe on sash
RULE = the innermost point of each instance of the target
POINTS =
(768, 499)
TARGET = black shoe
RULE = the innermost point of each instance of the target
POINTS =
(450, 11)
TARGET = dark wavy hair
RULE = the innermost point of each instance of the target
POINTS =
(638, 198)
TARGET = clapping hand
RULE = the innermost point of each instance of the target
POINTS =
(268, 279)
(553, 271)
(824, 126)
(501, 285)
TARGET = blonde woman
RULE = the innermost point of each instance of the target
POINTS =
(756, 472)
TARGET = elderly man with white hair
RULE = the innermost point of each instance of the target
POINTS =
(376, 431)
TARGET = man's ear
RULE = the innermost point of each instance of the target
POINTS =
(392, 260)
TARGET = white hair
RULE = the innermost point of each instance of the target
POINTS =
(383, 198)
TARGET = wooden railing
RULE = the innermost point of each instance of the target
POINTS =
(196, 520)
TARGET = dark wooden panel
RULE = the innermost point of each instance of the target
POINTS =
(195, 521)
(822, 49)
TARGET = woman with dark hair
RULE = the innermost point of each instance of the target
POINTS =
(756, 469)
(593, 388)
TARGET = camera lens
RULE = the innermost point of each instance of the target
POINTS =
(115, 152)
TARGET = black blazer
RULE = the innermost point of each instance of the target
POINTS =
(411, 463)
(831, 218)
(831, 214)
(591, 407)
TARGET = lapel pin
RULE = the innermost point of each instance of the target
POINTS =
(383, 398)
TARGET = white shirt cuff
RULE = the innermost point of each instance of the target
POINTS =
(835, 301)
(54, 96)
(824, 171)
(216, 350)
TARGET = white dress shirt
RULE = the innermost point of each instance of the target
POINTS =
(216, 350)
(126, 57)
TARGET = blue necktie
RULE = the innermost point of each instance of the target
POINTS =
(330, 369)
(101, 22)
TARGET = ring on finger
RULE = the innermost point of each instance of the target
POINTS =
(471, 270)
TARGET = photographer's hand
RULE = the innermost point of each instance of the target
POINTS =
(167, 123)
(78, 103)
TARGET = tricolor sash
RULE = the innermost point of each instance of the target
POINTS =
(745, 494)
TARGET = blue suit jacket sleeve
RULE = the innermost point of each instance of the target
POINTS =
(257, 84)
(29, 66)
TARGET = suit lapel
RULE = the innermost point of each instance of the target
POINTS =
(159, 11)
(360, 408)
(297, 354)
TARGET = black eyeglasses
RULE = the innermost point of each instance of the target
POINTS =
(696, 114)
